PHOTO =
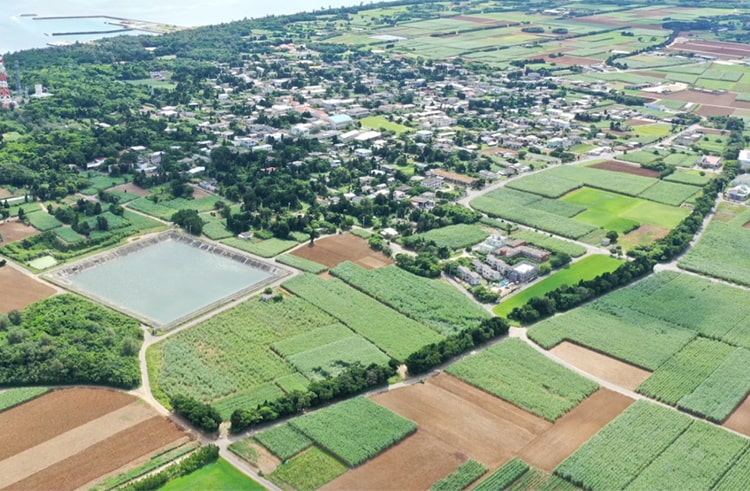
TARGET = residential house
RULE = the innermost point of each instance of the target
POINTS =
(523, 272)
(468, 276)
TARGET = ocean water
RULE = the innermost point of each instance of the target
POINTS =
(18, 32)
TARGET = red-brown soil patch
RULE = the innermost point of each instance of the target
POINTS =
(645, 234)
(571, 431)
(720, 49)
(573, 60)
(700, 97)
(4, 193)
(414, 464)
(37, 421)
(199, 192)
(739, 420)
(14, 230)
(711, 131)
(626, 168)
(746, 225)
(639, 122)
(104, 457)
(129, 188)
(651, 74)
(474, 422)
(602, 366)
(708, 111)
(336, 249)
(17, 290)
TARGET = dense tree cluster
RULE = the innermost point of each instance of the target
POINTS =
(202, 415)
(68, 340)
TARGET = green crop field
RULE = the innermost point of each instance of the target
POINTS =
(43, 221)
(302, 263)
(686, 370)
(455, 236)
(265, 248)
(641, 157)
(621, 451)
(585, 269)
(10, 398)
(669, 193)
(724, 249)
(696, 460)
(329, 360)
(355, 430)
(718, 315)
(229, 357)
(720, 393)
(431, 302)
(547, 183)
(307, 471)
(618, 335)
(217, 475)
(504, 197)
(68, 235)
(283, 441)
(391, 331)
(550, 243)
(504, 476)
(461, 478)
(611, 211)
(557, 207)
(692, 178)
(98, 182)
(516, 372)
(737, 476)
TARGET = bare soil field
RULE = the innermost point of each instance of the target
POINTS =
(15, 230)
(130, 188)
(336, 249)
(571, 431)
(720, 49)
(602, 366)
(708, 111)
(104, 457)
(4, 193)
(474, 422)
(711, 131)
(17, 290)
(70, 437)
(645, 234)
(199, 192)
(573, 60)
(414, 464)
(699, 97)
(746, 225)
(739, 420)
(625, 168)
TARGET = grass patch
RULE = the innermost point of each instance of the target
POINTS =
(308, 471)
(217, 475)
(585, 269)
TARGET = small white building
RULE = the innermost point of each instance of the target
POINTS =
(744, 158)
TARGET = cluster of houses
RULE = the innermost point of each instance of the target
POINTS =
(496, 266)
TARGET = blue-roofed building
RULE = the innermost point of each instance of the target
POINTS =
(339, 121)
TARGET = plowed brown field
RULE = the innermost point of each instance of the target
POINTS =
(602, 366)
(571, 431)
(15, 230)
(71, 437)
(17, 289)
(336, 249)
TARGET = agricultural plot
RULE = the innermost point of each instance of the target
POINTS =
(505, 197)
(724, 249)
(504, 476)
(265, 248)
(217, 475)
(669, 193)
(612, 211)
(165, 209)
(11, 398)
(688, 177)
(329, 360)
(586, 269)
(354, 430)
(228, 357)
(550, 243)
(455, 236)
(566, 227)
(43, 221)
(517, 373)
(696, 460)
(736, 476)
(284, 441)
(686, 370)
(301, 263)
(547, 184)
(431, 302)
(461, 478)
(309, 470)
(381, 122)
(617, 335)
(98, 182)
(720, 315)
(618, 454)
(392, 332)
(628, 184)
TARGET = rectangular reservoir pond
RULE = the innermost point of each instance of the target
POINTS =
(168, 279)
